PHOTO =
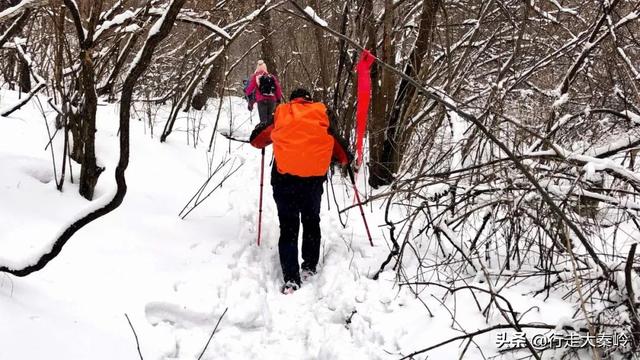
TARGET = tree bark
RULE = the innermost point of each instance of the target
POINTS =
(267, 51)
(25, 76)
(89, 172)
(396, 132)
(74, 123)
(9, 72)
(380, 173)
(210, 84)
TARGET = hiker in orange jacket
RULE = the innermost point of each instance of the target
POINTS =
(304, 144)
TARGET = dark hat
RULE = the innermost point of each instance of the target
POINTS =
(300, 93)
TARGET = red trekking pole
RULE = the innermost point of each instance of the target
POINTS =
(355, 189)
(260, 206)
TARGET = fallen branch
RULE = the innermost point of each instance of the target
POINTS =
(162, 29)
(11, 109)
(196, 198)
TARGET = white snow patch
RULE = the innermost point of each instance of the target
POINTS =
(131, 28)
(174, 278)
(632, 116)
(561, 101)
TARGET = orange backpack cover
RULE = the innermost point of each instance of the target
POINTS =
(301, 141)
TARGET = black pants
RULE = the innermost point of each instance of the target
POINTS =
(298, 202)
(265, 110)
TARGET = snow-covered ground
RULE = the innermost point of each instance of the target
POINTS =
(175, 278)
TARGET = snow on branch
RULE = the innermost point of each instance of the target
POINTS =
(564, 9)
(543, 13)
(15, 27)
(626, 59)
(312, 14)
(107, 14)
(190, 17)
(615, 147)
(13, 108)
(24, 5)
(116, 21)
(206, 23)
(243, 23)
(596, 164)
(253, 15)
(568, 190)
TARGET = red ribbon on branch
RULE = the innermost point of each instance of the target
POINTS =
(363, 70)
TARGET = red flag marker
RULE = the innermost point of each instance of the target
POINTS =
(364, 98)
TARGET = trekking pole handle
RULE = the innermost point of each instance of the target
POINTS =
(351, 176)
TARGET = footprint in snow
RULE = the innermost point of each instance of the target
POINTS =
(175, 315)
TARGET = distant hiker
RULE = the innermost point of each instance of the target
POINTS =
(304, 143)
(267, 91)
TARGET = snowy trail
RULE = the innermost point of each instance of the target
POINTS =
(174, 278)
(310, 324)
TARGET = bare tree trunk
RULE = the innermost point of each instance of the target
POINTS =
(25, 76)
(267, 51)
(9, 73)
(74, 123)
(88, 107)
(90, 171)
(210, 84)
(382, 97)
(397, 133)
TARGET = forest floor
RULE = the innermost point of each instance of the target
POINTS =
(175, 278)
